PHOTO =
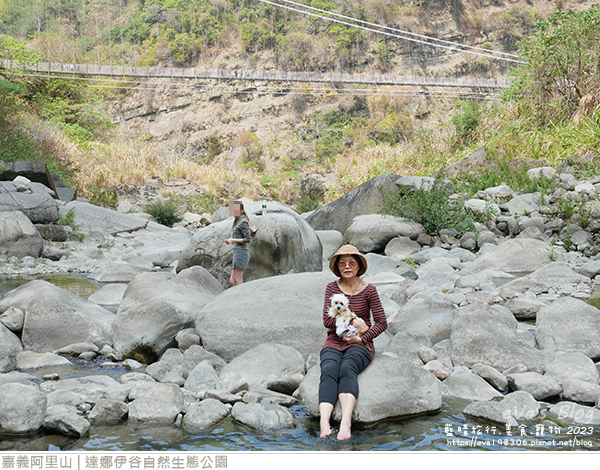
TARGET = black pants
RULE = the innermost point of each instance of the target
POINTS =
(339, 372)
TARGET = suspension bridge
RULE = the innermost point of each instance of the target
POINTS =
(199, 73)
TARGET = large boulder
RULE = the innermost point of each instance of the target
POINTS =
(154, 403)
(89, 389)
(261, 365)
(18, 236)
(22, 408)
(38, 204)
(489, 335)
(569, 325)
(389, 388)
(368, 198)
(284, 244)
(284, 309)
(91, 218)
(10, 346)
(263, 416)
(156, 306)
(55, 318)
(372, 232)
(427, 315)
(515, 256)
(545, 279)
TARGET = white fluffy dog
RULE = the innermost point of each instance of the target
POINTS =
(343, 316)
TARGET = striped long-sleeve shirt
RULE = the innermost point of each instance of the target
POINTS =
(362, 305)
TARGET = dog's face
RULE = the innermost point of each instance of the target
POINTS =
(339, 302)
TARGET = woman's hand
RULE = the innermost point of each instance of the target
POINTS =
(228, 241)
(354, 339)
(361, 325)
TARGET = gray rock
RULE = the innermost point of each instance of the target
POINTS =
(491, 375)
(438, 369)
(260, 312)
(10, 347)
(286, 384)
(465, 385)
(514, 256)
(91, 218)
(524, 204)
(285, 243)
(204, 414)
(546, 279)
(165, 373)
(372, 232)
(401, 248)
(48, 308)
(331, 241)
(18, 236)
(38, 207)
(569, 325)
(108, 412)
(368, 198)
(407, 346)
(513, 408)
(262, 395)
(155, 403)
(13, 319)
(29, 360)
(573, 366)
(90, 388)
(115, 271)
(488, 335)
(524, 308)
(540, 386)
(202, 377)
(109, 296)
(264, 417)
(262, 364)
(64, 397)
(187, 338)
(590, 269)
(68, 424)
(410, 390)
(195, 354)
(573, 413)
(580, 391)
(22, 408)
(429, 316)
(156, 306)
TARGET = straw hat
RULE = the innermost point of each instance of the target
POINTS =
(347, 250)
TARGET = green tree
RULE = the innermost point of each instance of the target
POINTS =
(561, 62)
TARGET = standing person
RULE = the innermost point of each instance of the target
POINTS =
(240, 239)
(342, 359)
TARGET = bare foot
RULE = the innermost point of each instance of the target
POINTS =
(325, 430)
(344, 433)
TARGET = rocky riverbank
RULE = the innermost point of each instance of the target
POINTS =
(497, 317)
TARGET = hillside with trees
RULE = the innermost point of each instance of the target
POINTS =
(230, 141)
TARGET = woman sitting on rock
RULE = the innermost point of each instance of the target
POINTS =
(240, 239)
(343, 358)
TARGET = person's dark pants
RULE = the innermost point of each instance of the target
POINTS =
(339, 372)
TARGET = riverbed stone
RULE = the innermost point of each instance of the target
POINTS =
(372, 232)
(154, 403)
(30, 360)
(156, 306)
(259, 311)
(569, 325)
(569, 412)
(13, 319)
(204, 414)
(573, 366)
(262, 364)
(513, 256)
(410, 390)
(400, 248)
(429, 316)
(493, 376)
(408, 345)
(10, 347)
(465, 385)
(489, 335)
(22, 408)
(90, 388)
(108, 412)
(546, 279)
(48, 308)
(263, 417)
(580, 391)
(18, 236)
(202, 377)
(68, 424)
(540, 386)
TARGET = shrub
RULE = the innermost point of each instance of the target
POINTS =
(431, 208)
(165, 212)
